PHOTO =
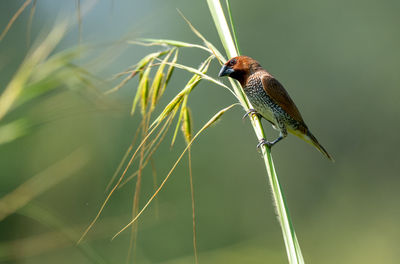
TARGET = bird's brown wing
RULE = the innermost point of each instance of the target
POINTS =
(278, 94)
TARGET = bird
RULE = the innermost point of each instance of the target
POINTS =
(270, 101)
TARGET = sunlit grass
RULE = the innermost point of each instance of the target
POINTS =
(43, 73)
(43, 70)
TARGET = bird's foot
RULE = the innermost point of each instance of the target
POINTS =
(253, 112)
(263, 141)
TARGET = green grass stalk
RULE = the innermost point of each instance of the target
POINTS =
(292, 246)
(228, 6)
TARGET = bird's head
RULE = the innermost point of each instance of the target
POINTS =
(239, 68)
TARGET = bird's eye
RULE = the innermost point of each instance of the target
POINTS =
(232, 62)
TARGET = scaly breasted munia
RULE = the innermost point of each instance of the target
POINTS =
(270, 100)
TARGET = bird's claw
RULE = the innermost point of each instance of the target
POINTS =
(263, 141)
(251, 111)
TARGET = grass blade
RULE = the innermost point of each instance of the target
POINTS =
(175, 43)
(204, 76)
(13, 130)
(18, 82)
(214, 50)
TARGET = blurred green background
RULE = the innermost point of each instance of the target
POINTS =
(339, 60)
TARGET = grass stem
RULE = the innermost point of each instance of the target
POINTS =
(292, 246)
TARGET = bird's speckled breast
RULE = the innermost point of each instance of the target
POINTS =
(264, 105)
(261, 102)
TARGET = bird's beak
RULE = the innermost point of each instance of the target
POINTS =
(225, 71)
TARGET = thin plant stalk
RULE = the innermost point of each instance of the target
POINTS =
(196, 258)
(15, 16)
(29, 27)
(292, 246)
(228, 6)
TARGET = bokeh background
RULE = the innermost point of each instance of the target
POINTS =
(340, 62)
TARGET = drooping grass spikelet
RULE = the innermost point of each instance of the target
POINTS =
(144, 91)
(158, 78)
(169, 108)
(187, 124)
(169, 73)
(140, 94)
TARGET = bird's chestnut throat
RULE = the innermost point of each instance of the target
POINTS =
(240, 76)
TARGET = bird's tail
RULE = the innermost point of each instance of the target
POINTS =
(313, 141)
(306, 135)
